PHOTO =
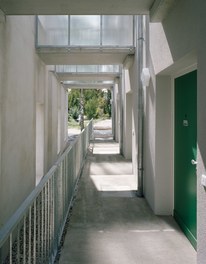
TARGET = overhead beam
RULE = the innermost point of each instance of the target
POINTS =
(86, 76)
(83, 56)
(88, 86)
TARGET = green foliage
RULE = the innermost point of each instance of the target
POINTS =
(96, 103)
(91, 108)
(74, 112)
(73, 98)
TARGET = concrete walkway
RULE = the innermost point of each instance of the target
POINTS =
(109, 225)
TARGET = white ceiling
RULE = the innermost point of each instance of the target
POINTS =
(74, 7)
(157, 9)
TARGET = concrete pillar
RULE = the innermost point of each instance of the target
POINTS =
(117, 107)
(113, 113)
(164, 188)
(127, 129)
(121, 113)
(52, 120)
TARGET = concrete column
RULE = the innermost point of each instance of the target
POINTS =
(121, 113)
(116, 105)
(164, 188)
(52, 120)
(127, 129)
(40, 119)
(113, 113)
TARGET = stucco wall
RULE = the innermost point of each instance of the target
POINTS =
(174, 41)
(133, 70)
(164, 147)
(149, 143)
(18, 114)
(201, 132)
(127, 129)
(24, 85)
(173, 45)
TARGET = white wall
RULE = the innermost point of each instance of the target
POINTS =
(158, 144)
(164, 147)
(17, 114)
(173, 45)
(117, 111)
(24, 111)
(149, 143)
(201, 132)
(133, 70)
(127, 129)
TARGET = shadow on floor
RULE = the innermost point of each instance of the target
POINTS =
(110, 225)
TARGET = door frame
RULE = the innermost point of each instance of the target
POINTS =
(174, 76)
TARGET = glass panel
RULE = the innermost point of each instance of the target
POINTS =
(87, 68)
(53, 30)
(85, 30)
(109, 68)
(66, 68)
(117, 30)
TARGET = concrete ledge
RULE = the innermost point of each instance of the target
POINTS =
(2, 17)
(160, 9)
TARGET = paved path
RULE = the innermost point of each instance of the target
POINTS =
(110, 225)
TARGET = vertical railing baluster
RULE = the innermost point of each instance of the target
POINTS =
(29, 242)
(24, 241)
(56, 212)
(48, 218)
(53, 213)
(39, 228)
(10, 248)
(42, 226)
(18, 245)
(34, 233)
(45, 222)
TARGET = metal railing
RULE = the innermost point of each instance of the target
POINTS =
(33, 234)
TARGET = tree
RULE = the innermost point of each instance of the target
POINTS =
(96, 103)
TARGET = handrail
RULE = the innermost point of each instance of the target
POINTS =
(34, 231)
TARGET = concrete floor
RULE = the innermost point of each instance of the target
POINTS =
(109, 225)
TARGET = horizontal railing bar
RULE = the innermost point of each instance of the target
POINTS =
(73, 49)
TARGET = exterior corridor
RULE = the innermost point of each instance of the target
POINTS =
(110, 225)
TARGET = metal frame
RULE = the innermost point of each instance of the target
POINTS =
(100, 46)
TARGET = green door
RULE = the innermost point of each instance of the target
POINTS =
(185, 154)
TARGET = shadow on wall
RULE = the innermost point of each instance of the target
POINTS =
(149, 144)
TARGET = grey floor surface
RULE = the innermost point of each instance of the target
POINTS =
(110, 225)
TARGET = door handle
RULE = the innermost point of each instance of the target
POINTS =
(194, 162)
